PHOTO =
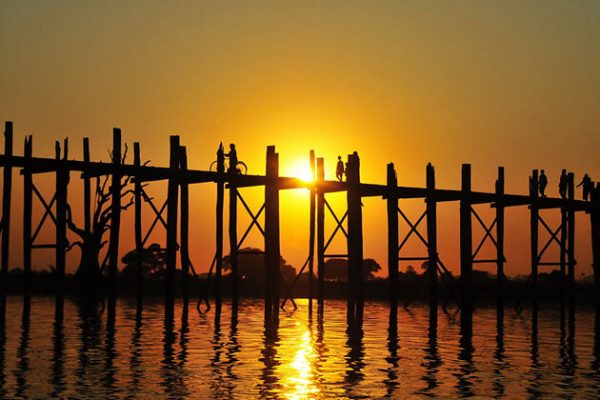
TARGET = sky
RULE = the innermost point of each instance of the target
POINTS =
(512, 83)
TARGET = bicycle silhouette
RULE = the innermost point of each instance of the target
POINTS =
(240, 167)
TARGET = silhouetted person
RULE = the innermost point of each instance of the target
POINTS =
(587, 186)
(339, 169)
(233, 160)
(563, 183)
(542, 183)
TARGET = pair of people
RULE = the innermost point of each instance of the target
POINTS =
(563, 185)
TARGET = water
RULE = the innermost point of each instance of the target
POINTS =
(233, 358)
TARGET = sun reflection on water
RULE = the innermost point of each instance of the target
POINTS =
(299, 382)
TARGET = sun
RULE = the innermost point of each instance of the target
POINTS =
(301, 170)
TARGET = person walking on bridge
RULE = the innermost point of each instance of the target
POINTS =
(543, 182)
(339, 169)
(587, 186)
(563, 183)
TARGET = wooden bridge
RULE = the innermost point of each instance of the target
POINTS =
(176, 222)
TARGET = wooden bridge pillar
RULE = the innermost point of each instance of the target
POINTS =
(233, 241)
(172, 202)
(272, 249)
(564, 231)
(595, 224)
(466, 241)
(115, 220)
(27, 216)
(139, 244)
(432, 253)
(392, 217)
(219, 223)
(311, 239)
(320, 232)
(62, 181)
(571, 237)
(87, 190)
(6, 203)
(184, 229)
(500, 239)
(355, 239)
(534, 231)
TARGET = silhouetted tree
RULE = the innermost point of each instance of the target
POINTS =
(336, 269)
(251, 266)
(153, 262)
(92, 242)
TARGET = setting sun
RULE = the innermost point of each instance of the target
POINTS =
(300, 169)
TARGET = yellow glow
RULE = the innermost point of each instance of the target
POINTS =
(300, 379)
(300, 170)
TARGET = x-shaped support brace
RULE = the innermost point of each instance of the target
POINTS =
(254, 221)
(47, 212)
(487, 230)
(553, 236)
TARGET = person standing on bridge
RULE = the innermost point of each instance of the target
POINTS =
(543, 182)
(339, 169)
(563, 183)
(233, 160)
(587, 186)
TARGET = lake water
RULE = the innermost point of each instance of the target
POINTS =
(303, 358)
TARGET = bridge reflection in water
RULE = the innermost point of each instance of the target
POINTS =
(230, 353)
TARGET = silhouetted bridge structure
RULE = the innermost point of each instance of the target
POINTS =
(176, 222)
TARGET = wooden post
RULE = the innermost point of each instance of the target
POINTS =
(62, 180)
(432, 237)
(6, 200)
(173, 194)
(219, 222)
(87, 190)
(233, 241)
(27, 216)
(500, 239)
(184, 228)
(355, 239)
(139, 244)
(392, 217)
(564, 229)
(311, 238)
(466, 241)
(320, 232)
(534, 217)
(272, 250)
(115, 219)
(571, 237)
(595, 224)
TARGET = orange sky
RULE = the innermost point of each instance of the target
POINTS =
(511, 83)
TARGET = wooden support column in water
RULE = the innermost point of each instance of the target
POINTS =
(571, 237)
(355, 293)
(534, 230)
(139, 244)
(6, 202)
(115, 219)
(595, 225)
(320, 232)
(184, 229)
(233, 241)
(172, 202)
(564, 231)
(500, 239)
(219, 223)
(466, 241)
(87, 190)
(392, 217)
(27, 216)
(311, 238)
(62, 181)
(272, 250)
(432, 253)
